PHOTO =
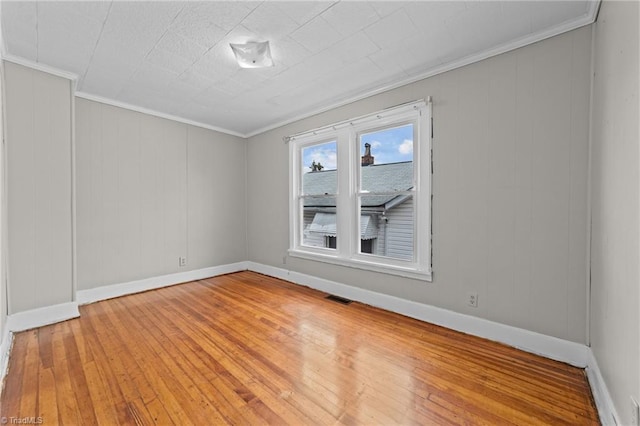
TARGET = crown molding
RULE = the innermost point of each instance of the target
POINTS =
(131, 107)
(40, 67)
(74, 81)
(586, 19)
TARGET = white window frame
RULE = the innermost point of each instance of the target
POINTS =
(346, 134)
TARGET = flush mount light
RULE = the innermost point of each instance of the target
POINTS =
(254, 54)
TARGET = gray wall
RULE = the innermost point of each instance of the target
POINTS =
(38, 188)
(615, 293)
(150, 190)
(3, 216)
(510, 187)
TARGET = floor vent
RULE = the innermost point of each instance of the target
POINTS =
(338, 299)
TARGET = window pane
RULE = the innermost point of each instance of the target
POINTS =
(387, 226)
(319, 169)
(386, 162)
(367, 246)
(331, 242)
(319, 229)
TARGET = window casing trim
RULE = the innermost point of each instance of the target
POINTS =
(348, 192)
(362, 120)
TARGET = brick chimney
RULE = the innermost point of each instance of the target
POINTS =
(367, 158)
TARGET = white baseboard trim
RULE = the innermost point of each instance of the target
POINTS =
(606, 409)
(116, 290)
(39, 317)
(5, 349)
(51, 314)
(529, 341)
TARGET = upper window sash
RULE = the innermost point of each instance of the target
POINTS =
(298, 167)
(384, 124)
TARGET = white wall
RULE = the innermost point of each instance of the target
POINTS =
(615, 287)
(38, 112)
(510, 188)
(150, 190)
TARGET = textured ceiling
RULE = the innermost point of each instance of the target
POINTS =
(174, 57)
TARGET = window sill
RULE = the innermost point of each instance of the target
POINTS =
(366, 265)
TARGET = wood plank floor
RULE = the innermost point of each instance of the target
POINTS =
(249, 349)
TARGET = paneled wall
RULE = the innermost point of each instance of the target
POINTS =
(38, 107)
(216, 198)
(150, 191)
(3, 218)
(615, 246)
(510, 189)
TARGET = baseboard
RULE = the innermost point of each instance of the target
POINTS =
(529, 341)
(39, 317)
(116, 290)
(606, 409)
(52, 314)
(5, 350)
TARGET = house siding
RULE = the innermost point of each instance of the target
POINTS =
(399, 232)
(394, 238)
(311, 238)
(380, 244)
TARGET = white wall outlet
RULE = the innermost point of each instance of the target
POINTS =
(635, 412)
(472, 299)
(284, 260)
(182, 261)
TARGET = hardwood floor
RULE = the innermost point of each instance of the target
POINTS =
(248, 349)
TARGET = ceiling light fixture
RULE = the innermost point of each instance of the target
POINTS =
(254, 54)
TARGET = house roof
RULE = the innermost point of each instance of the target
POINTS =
(375, 178)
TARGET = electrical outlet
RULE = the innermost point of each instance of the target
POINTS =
(182, 261)
(284, 260)
(635, 412)
(472, 299)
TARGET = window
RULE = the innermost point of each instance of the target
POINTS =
(360, 192)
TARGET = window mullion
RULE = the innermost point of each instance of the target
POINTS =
(344, 200)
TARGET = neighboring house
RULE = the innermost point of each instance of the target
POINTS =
(386, 221)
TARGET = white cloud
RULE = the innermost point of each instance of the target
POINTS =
(376, 144)
(326, 157)
(406, 147)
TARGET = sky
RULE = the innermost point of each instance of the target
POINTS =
(387, 146)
